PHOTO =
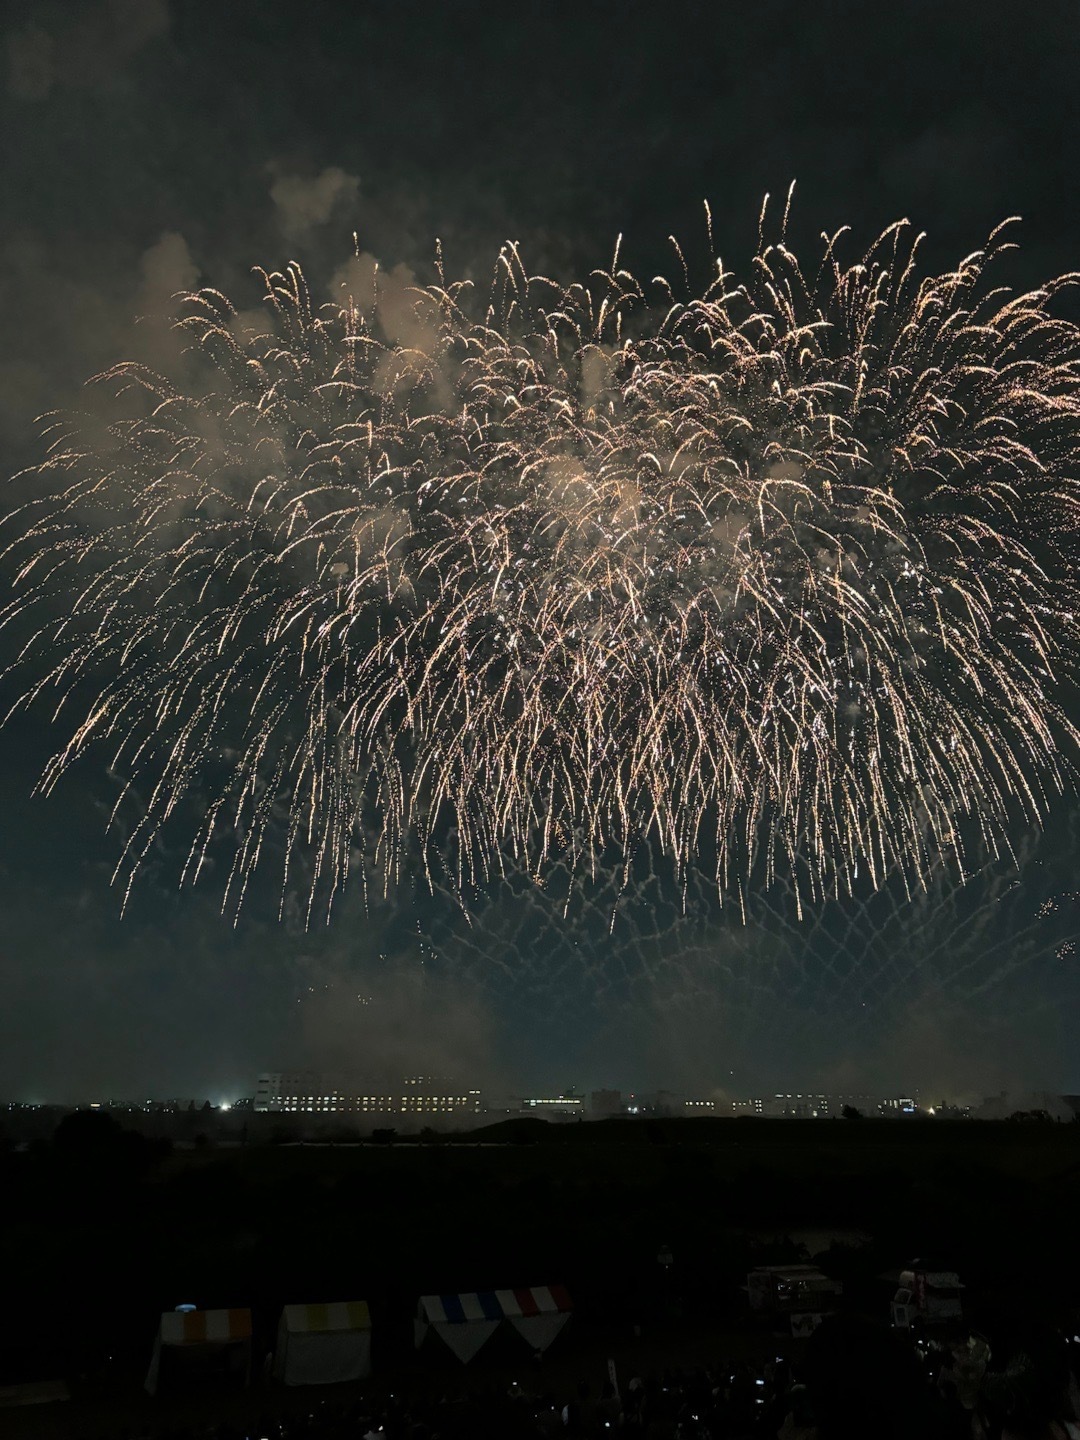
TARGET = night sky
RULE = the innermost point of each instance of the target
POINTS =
(148, 147)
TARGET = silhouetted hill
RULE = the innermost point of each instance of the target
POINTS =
(518, 1131)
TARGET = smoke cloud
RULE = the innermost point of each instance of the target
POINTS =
(83, 47)
(303, 204)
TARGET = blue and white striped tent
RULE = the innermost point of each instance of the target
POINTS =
(467, 1321)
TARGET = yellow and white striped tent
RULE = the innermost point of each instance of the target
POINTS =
(202, 1340)
(323, 1344)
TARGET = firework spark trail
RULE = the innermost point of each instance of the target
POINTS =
(866, 963)
(782, 572)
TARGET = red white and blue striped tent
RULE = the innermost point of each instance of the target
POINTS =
(537, 1314)
(326, 1344)
(466, 1322)
(202, 1340)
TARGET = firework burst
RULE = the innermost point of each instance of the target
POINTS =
(781, 573)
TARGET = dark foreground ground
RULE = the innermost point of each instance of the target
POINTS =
(105, 1231)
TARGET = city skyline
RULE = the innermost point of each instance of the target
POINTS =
(315, 1098)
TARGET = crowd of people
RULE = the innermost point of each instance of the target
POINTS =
(854, 1381)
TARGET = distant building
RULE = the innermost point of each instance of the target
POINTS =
(310, 1092)
(748, 1107)
(660, 1104)
(605, 1103)
(699, 1107)
(867, 1105)
(1007, 1103)
(797, 1106)
(899, 1105)
(814, 1105)
(566, 1105)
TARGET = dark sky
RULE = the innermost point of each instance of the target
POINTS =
(152, 145)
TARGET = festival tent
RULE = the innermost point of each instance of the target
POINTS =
(538, 1313)
(466, 1322)
(201, 1343)
(37, 1392)
(323, 1344)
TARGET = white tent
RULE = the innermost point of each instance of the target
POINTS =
(466, 1322)
(201, 1342)
(538, 1313)
(323, 1344)
(40, 1392)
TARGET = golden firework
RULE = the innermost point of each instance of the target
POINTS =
(781, 572)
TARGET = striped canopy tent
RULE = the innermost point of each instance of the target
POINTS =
(201, 1343)
(323, 1344)
(466, 1322)
(537, 1314)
